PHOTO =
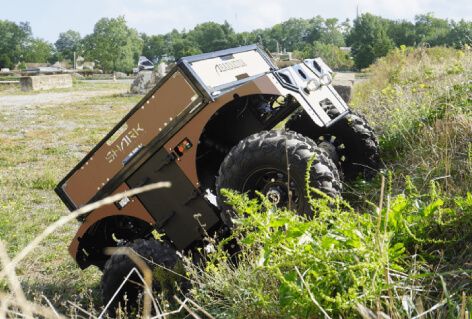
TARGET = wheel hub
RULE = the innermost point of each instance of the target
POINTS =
(274, 196)
(275, 186)
(334, 147)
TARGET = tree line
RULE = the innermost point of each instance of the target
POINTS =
(116, 47)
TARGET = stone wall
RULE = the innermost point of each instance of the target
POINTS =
(343, 83)
(45, 82)
(344, 90)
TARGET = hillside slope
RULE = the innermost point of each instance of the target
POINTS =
(400, 255)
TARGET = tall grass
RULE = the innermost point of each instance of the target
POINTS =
(420, 103)
(291, 267)
(407, 254)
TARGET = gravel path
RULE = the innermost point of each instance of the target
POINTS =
(20, 101)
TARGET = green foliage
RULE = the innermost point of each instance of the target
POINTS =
(17, 45)
(460, 34)
(114, 45)
(371, 37)
(289, 34)
(184, 47)
(429, 220)
(154, 47)
(331, 54)
(45, 182)
(339, 259)
(401, 259)
(38, 51)
(369, 40)
(431, 30)
(401, 32)
(5, 61)
(331, 33)
(422, 112)
(211, 36)
(68, 43)
(14, 39)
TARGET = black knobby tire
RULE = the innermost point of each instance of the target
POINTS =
(361, 148)
(118, 267)
(267, 153)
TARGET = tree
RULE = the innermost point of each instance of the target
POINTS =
(431, 30)
(154, 46)
(68, 43)
(314, 30)
(401, 32)
(115, 46)
(38, 51)
(369, 40)
(290, 34)
(211, 36)
(460, 34)
(5, 61)
(330, 53)
(263, 38)
(14, 40)
(184, 47)
(245, 38)
(331, 33)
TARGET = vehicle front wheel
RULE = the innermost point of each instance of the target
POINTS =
(351, 142)
(275, 164)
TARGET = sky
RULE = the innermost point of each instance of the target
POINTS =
(48, 18)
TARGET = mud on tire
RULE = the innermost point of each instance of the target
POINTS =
(361, 148)
(118, 267)
(259, 162)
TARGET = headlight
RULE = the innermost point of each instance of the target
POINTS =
(313, 85)
(326, 79)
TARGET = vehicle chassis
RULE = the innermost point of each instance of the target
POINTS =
(180, 132)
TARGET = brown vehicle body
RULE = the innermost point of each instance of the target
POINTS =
(180, 132)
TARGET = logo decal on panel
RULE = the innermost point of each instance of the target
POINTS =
(222, 70)
(230, 65)
(122, 145)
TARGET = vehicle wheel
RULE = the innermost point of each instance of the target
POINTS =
(119, 266)
(350, 142)
(259, 163)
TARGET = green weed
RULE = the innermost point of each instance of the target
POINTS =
(340, 258)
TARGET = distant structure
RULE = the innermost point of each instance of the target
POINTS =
(81, 64)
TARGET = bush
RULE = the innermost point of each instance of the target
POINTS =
(5, 62)
(403, 259)
(331, 54)
(289, 266)
(419, 101)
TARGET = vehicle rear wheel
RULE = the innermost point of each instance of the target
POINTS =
(118, 266)
(351, 142)
(259, 163)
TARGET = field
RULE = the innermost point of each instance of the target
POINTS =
(44, 135)
(419, 101)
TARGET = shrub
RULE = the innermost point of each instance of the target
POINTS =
(331, 54)
(420, 103)
(289, 266)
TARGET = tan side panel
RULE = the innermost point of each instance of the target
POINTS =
(162, 108)
(194, 128)
(134, 209)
